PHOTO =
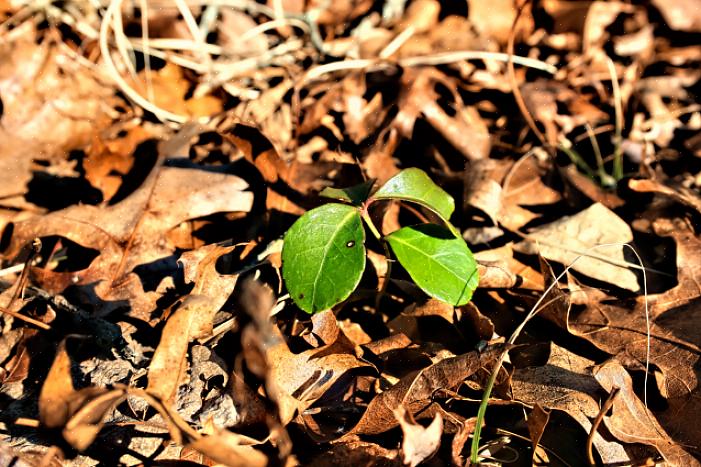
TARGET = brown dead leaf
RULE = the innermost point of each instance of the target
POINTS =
(415, 391)
(192, 320)
(169, 90)
(418, 98)
(80, 413)
(571, 236)
(523, 185)
(499, 269)
(580, 183)
(357, 452)
(419, 443)
(620, 328)
(200, 268)
(566, 383)
(680, 194)
(537, 421)
(230, 449)
(294, 381)
(632, 422)
(682, 15)
(542, 98)
(493, 19)
(50, 105)
(132, 233)
(108, 160)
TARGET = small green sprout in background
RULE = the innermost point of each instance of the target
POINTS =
(323, 254)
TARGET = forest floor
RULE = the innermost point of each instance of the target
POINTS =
(154, 153)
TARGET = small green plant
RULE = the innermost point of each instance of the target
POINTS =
(323, 255)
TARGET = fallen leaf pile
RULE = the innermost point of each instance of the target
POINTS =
(153, 155)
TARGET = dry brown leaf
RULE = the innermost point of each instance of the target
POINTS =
(567, 238)
(293, 381)
(682, 15)
(169, 90)
(192, 320)
(50, 105)
(566, 383)
(200, 269)
(230, 449)
(632, 422)
(415, 391)
(419, 443)
(418, 98)
(521, 188)
(620, 327)
(493, 19)
(679, 194)
(537, 421)
(499, 269)
(132, 233)
(357, 452)
(429, 321)
(580, 183)
(108, 160)
(80, 413)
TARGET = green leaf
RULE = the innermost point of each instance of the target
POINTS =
(414, 185)
(356, 194)
(323, 256)
(439, 263)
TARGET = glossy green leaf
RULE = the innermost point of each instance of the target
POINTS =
(437, 261)
(323, 256)
(356, 194)
(414, 185)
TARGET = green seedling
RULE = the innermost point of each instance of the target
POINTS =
(323, 254)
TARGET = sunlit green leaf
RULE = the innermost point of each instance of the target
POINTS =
(414, 185)
(323, 256)
(439, 263)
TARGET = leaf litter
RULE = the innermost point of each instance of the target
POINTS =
(153, 156)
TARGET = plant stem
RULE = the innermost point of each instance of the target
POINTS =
(371, 225)
(366, 217)
(618, 137)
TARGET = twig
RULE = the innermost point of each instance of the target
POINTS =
(514, 85)
(597, 421)
(26, 319)
(22, 281)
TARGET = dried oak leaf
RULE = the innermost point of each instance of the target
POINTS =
(493, 19)
(620, 328)
(80, 413)
(131, 233)
(192, 320)
(499, 269)
(418, 98)
(169, 90)
(51, 105)
(565, 383)
(537, 421)
(415, 391)
(109, 159)
(632, 422)
(682, 15)
(571, 236)
(293, 381)
(418, 443)
(357, 452)
(200, 269)
(678, 193)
